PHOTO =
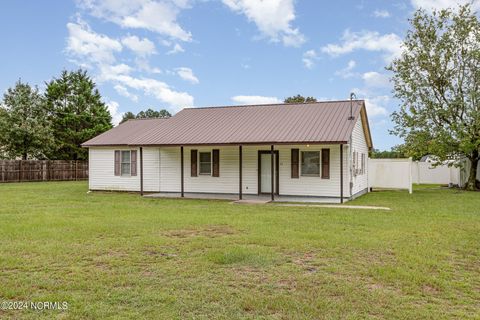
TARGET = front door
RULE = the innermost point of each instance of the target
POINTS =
(265, 172)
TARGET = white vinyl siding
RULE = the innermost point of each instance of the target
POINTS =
(359, 148)
(162, 171)
(102, 175)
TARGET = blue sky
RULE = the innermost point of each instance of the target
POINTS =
(175, 53)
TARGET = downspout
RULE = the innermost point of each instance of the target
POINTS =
(141, 171)
(350, 157)
(341, 173)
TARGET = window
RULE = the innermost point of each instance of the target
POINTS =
(311, 163)
(205, 163)
(125, 163)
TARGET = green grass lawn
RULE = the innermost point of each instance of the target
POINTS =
(120, 256)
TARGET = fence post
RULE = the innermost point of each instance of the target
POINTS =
(75, 170)
(20, 170)
(410, 175)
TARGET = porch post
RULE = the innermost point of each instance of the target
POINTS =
(181, 172)
(141, 171)
(341, 173)
(240, 172)
(272, 172)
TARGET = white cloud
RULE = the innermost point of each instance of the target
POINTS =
(375, 104)
(98, 50)
(141, 47)
(144, 65)
(309, 58)
(160, 90)
(121, 90)
(390, 44)
(187, 75)
(443, 4)
(381, 14)
(176, 49)
(84, 42)
(375, 79)
(156, 16)
(113, 108)
(347, 72)
(248, 100)
(273, 19)
(108, 72)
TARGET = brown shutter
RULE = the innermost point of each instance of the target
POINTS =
(325, 163)
(117, 163)
(193, 163)
(216, 163)
(294, 163)
(133, 162)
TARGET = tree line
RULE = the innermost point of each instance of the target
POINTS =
(52, 124)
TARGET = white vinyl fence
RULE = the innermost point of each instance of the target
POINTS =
(426, 173)
(402, 173)
(390, 174)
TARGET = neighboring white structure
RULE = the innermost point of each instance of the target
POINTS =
(228, 150)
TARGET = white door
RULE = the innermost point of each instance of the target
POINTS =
(266, 173)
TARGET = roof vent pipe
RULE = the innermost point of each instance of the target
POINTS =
(352, 95)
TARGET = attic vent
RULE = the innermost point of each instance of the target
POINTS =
(352, 95)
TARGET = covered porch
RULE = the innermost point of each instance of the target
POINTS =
(263, 173)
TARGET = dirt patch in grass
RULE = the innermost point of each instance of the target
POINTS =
(212, 231)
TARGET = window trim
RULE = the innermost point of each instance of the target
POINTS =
(200, 173)
(302, 161)
(129, 163)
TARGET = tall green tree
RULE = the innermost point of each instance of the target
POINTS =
(299, 99)
(77, 113)
(146, 114)
(437, 80)
(24, 127)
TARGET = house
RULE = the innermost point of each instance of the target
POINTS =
(317, 150)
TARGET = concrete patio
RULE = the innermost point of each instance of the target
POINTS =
(247, 198)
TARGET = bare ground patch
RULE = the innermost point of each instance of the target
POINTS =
(212, 231)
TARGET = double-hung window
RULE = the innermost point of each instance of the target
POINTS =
(311, 163)
(205, 163)
(126, 163)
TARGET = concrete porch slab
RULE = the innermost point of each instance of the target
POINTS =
(332, 206)
(245, 201)
(247, 198)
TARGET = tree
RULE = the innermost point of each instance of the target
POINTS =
(437, 80)
(147, 114)
(299, 99)
(77, 113)
(127, 116)
(395, 152)
(24, 127)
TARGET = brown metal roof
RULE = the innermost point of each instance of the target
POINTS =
(320, 122)
(125, 133)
